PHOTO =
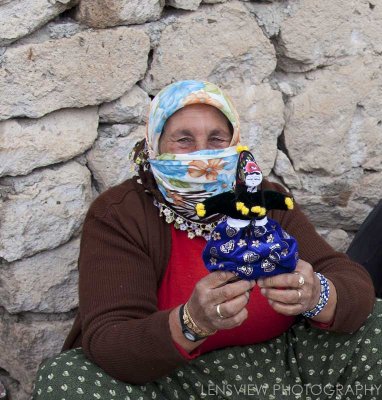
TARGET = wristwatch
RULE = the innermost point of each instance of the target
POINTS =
(189, 329)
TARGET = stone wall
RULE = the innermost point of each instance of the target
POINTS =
(76, 78)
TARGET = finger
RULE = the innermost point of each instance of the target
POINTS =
(293, 279)
(231, 280)
(229, 292)
(305, 269)
(232, 322)
(217, 279)
(303, 266)
(287, 296)
(232, 307)
(286, 309)
(282, 280)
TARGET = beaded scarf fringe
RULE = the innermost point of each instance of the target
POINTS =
(193, 228)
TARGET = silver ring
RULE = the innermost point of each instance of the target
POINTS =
(301, 281)
(220, 315)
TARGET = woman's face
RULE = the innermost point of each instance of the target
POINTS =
(195, 127)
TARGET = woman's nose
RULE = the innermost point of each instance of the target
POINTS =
(201, 144)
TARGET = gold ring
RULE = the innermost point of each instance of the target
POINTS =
(301, 281)
(299, 295)
(218, 312)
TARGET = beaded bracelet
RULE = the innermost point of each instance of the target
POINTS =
(323, 300)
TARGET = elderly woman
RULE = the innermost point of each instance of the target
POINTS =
(154, 323)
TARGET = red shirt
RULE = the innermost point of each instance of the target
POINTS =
(185, 268)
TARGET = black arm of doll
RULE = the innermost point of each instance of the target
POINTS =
(277, 201)
(223, 203)
(244, 206)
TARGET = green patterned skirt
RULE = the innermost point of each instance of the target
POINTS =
(303, 363)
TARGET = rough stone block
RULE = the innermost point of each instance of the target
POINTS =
(46, 282)
(332, 125)
(107, 13)
(42, 210)
(56, 29)
(13, 387)
(26, 343)
(284, 169)
(337, 238)
(213, 1)
(202, 45)
(184, 4)
(318, 33)
(133, 106)
(270, 15)
(109, 157)
(27, 144)
(19, 18)
(261, 110)
(331, 201)
(86, 69)
(369, 189)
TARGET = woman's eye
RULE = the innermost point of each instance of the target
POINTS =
(184, 140)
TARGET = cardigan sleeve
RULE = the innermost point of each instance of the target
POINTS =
(122, 330)
(355, 291)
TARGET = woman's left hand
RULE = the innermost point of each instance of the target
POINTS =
(292, 293)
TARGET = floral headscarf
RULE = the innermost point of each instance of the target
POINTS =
(181, 94)
(186, 179)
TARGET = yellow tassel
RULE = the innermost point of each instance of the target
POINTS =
(239, 205)
(200, 210)
(245, 210)
(262, 212)
(289, 203)
(201, 213)
(240, 148)
(256, 209)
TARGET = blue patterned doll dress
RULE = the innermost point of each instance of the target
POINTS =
(249, 243)
(251, 251)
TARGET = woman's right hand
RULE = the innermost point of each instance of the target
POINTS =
(215, 290)
(211, 291)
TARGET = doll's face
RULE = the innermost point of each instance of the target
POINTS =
(253, 174)
(253, 179)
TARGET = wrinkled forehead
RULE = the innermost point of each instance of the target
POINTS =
(194, 115)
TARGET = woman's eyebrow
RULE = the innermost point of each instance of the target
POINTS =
(220, 131)
(182, 131)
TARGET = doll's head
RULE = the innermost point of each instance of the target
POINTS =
(248, 172)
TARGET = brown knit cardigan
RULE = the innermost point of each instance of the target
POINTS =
(125, 249)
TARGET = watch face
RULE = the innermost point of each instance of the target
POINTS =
(189, 336)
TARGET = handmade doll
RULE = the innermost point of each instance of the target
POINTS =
(248, 243)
